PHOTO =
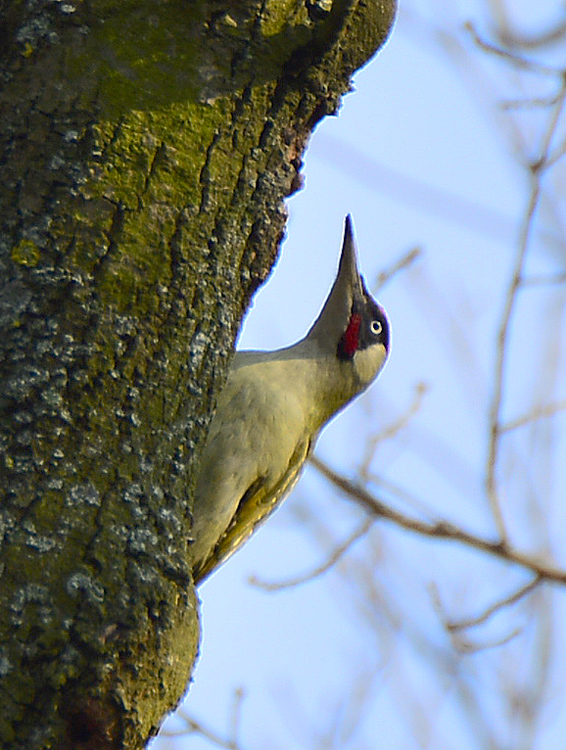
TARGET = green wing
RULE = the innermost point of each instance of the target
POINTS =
(257, 504)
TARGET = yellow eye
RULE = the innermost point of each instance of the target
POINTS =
(375, 327)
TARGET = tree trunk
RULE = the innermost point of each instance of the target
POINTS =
(146, 150)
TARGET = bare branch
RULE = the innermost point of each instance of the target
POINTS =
(511, 57)
(503, 335)
(404, 262)
(471, 622)
(333, 558)
(559, 278)
(195, 727)
(541, 412)
(530, 103)
(440, 529)
(502, 350)
(467, 646)
(395, 427)
(236, 714)
(192, 726)
(399, 492)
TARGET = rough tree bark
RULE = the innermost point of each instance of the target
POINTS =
(146, 149)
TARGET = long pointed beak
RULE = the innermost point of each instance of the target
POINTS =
(348, 269)
(348, 285)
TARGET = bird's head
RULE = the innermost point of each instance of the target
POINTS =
(351, 326)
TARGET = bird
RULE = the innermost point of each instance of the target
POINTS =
(273, 408)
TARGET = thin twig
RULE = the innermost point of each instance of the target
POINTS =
(541, 413)
(503, 334)
(236, 714)
(542, 102)
(404, 262)
(333, 558)
(558, 278)
(192, 726)
(502, 350)
(195, 727)
(471, 622)
(535, 40)
(467, 647)
(558, 153)
(441, 529)
(394, 489)
(395, 427)
(512, 57)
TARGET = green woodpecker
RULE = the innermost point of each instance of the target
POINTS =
(274, 406)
